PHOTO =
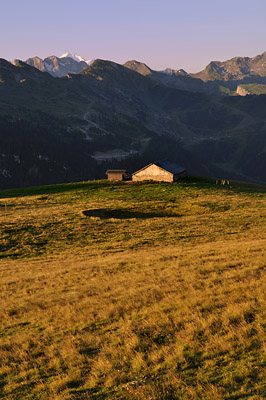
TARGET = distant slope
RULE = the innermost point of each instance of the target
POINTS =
(56, 130)
(235, 69)
(236, 73)
(18, 73)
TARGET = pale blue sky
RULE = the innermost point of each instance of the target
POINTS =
(167, 33)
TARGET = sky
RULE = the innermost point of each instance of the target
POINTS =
(174, 34)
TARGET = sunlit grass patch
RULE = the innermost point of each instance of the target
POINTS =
(148, 291)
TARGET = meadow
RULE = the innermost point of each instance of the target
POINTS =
(133, 291)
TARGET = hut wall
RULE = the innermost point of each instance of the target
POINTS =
(183, 174)
(112, 176)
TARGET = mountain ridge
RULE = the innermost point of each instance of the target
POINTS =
(235, 68)
(219, 77)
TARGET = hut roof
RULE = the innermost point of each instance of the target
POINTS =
(167, 166)
(170, 166)
(116, 171)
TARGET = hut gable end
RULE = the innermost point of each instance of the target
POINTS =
(160, 171)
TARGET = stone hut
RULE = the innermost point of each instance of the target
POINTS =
(160, 171)
(116, 174)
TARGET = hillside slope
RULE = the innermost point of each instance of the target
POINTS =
(133, 291)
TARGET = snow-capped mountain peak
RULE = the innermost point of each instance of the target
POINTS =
(76, 58)
(73, 56)
(68, 63)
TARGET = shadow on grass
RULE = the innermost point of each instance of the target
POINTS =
(104, 213)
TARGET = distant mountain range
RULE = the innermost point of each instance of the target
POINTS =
(124, 116)
(238, 76)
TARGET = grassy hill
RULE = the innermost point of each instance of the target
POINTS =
(133, 291)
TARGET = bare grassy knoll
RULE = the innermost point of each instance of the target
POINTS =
(133, 291)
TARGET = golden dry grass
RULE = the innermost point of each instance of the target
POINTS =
(159, 294)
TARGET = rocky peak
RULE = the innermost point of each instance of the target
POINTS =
(242, 91)
(57, 66)
(176, 72)
(139, 67)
